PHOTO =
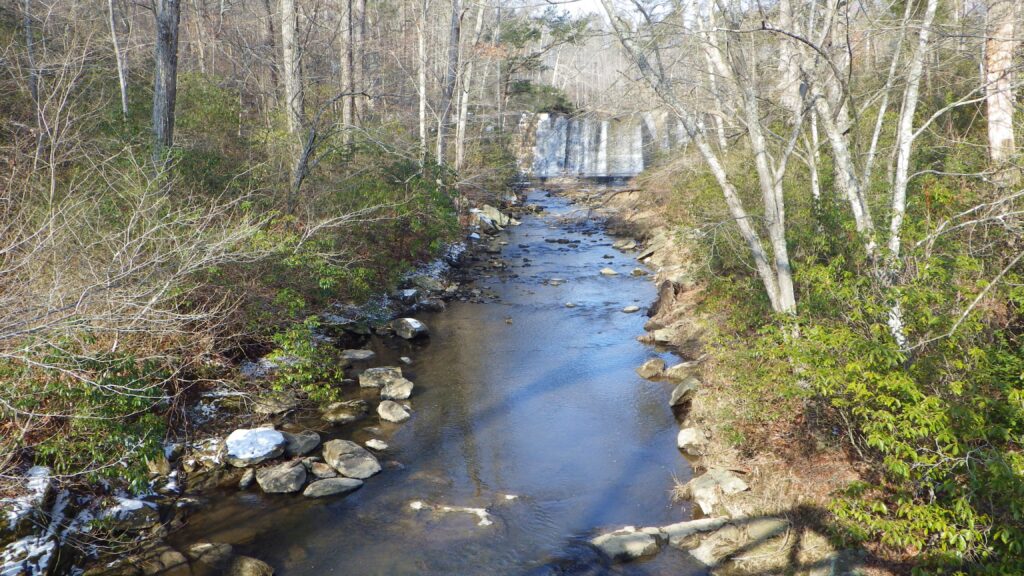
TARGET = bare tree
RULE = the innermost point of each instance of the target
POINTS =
(293, 95)
(1000, 44)
(165, 77)
(122, 78)
(466, 83)
(450, 78)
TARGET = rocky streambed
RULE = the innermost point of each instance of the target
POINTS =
(499, 425)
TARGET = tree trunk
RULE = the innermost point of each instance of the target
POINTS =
(467, 82)
(450, 76)
(165, 83)
(999, 93)
(119, 57)
(358, 49)
(421, 31)
(347, 61)
(293, 94)
(271, 40)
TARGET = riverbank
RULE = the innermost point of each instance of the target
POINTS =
(777, 519)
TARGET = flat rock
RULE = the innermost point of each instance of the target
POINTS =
(353, 355)
(692, 441)
(301, 443)
(350, 459)
(680, 535)
(684, 392)
(629, 543)
(631, 309)
(399, 389)
(375, 444)
(707, 489)
(651, 369)
(392, 411)
(608, 272)
(344, 412)
(331, 487)
(409, 328)
(250, 446)
(282, 479)
(380, 376)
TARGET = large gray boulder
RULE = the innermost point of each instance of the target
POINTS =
(380, 376)
(409, 328)
(331, 487)
(300, 443)
(392, 412)
(350, 459)
(282, 479)
(692, 441)
(248, 447)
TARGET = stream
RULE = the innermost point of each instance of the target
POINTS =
(524, 407)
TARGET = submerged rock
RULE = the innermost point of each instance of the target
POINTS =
(331, 487)
(247, 447)
(164, 561)
(380, 377)
(344, 412)
(375, 444)
(409, 328)
(629, 543)
(282, 479)
(248, 566)
(209, 557)
(651, 369)
(392, 411)
(350, 459)
(353, 355)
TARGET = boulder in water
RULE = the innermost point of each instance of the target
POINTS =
(399, 389)
(301, 443)
(684, 392)
(331, 487)
(350, 459)
(608, 272)
(651, 369)
(392, 412)
(631, 309)
(282, 479)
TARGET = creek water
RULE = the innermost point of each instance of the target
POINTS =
(524, 407)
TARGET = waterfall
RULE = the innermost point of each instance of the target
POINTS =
(593, 148)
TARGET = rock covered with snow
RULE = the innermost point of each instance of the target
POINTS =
(250, 446)
(409, 328)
